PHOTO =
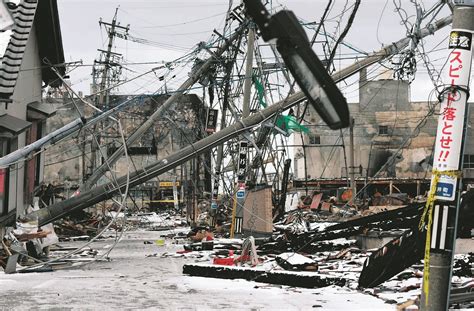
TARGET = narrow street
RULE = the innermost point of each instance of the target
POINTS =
(131, 280)
(236, 155)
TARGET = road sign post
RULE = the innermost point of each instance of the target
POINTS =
(442, 207)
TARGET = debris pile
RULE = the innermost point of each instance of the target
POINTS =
(307, 251)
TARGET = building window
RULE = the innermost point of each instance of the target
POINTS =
(383, 130)
(468, 161)
(314, 139)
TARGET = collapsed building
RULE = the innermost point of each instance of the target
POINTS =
(393, 144)
(171, 145)
(69, 165)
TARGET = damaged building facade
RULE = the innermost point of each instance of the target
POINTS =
(33, 40)
(69, 165)
(393, 143)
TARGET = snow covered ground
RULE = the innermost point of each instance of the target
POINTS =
(131, 280)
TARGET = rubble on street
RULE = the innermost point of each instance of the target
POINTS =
(236, 155)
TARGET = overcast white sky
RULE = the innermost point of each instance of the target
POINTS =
(181, 24)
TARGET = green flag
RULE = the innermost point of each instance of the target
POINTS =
(260, 91)
(289, 123)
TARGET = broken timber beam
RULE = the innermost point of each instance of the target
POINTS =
(297, 279)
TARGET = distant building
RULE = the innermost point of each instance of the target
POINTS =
(386, 121)
(27, 49)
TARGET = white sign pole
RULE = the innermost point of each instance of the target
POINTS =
(441, 213)
(449, 137)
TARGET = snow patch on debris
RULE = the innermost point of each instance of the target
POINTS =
(295, 259)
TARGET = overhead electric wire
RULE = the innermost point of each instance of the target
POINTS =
(187, 22)
(345, 31)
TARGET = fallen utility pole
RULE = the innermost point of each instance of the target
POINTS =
(442, 207)
(51, 138)
(113, 30)
(194, 77)
(66, 130)
(106, 191)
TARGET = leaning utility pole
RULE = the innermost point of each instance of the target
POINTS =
(109, 61)
(446, 184)
(113, 29)
(194, 77)
(369, 60)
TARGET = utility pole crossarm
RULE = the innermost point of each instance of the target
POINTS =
(116, 26)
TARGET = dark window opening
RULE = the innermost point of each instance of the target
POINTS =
(314, 139)
(468, 161)
(135, 150)
(383, 130)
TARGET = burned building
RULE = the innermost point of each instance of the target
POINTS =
(180, 127)
(393, 143)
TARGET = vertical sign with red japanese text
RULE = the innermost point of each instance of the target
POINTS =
(452, 113)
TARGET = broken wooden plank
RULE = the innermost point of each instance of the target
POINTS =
(392, 258)
(297, 279)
